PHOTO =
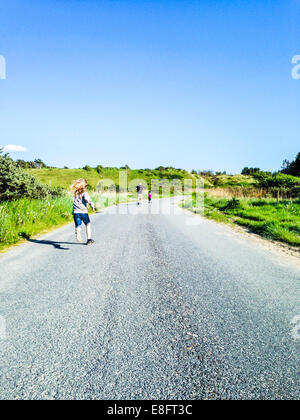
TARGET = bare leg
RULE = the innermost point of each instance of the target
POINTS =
(88, 231)
(78, 234)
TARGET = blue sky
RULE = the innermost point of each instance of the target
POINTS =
(191, 84)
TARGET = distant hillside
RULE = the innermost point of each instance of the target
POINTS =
(64, 177)
(232, 180)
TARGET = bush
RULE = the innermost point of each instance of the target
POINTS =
(99, 169)
(250, 171)
(234, 203)
(16, 182)
(87, 168)
(279, 183)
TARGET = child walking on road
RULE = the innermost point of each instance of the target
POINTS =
(81, 200)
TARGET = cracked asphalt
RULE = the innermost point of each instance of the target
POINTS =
(163, 306)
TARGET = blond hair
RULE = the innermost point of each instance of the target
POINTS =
(79, 186)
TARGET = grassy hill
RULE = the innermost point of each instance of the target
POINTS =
(64, 177)
(254, 209)
(226, 181)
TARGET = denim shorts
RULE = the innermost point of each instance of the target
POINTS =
(81, 217)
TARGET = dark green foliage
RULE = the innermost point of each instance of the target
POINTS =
(99, 169)
(250, 171)
(234, 203)
(266, 180)
(292, 168)
(88, 168)
(278, 184)
(16, 182)
(26, 165)
(37, 164)
(206, 173)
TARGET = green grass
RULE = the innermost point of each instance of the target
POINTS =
(279, 221)
(56, 177)
(65, 177)
(226, 181)
(22, 219)
(25, 218)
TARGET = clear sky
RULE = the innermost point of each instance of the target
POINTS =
(195, 84)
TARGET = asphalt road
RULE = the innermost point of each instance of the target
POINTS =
(161, 307)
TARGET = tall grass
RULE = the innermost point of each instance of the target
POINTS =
(22, 219)
(25, 218)
(277, 220)
(248, 192)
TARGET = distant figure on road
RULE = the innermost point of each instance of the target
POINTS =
(139, 189)
(81, 200)
(149, 196)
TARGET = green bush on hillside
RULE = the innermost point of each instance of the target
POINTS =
(16, 182)
(250, 171)
(279, 183)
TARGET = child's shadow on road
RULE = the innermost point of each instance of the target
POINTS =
(56, 245)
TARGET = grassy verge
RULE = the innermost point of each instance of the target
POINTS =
(279, 221)
(22, 219)
(25, 218)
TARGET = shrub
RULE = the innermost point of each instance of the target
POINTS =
(250, 171)
(87, 168)
(99, 169)
(279, 183)
(234, 203)
(16, 182)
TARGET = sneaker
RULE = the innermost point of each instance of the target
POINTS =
(90, 242)
(78, 236)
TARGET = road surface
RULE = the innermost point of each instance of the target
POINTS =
(161, 307)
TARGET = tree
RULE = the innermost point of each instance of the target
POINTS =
(160, 168)
(99, 169)
(22, 163)
(208, 172)
(291, 168)
(39, 164)
(250, 171)
(87, 168)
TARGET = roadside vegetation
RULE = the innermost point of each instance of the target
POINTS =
(271, 218)
(267, 203)
(35, 198)
(25, 218)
